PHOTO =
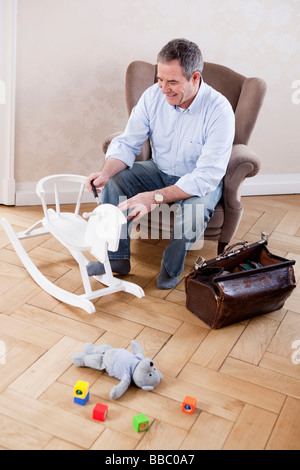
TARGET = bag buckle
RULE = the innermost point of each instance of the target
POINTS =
(197, 265)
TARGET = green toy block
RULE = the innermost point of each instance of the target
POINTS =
(140, 423)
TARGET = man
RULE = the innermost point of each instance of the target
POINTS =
(191, 130)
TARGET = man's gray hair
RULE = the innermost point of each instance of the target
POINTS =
(186, 52)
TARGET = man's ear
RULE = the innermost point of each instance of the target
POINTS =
(196, 77)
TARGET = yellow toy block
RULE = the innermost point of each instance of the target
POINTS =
(81, 390)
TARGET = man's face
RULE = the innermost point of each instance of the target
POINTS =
(174, 85)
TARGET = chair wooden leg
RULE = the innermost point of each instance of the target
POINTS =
(221, 247)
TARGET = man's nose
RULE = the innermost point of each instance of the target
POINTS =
(165, 88)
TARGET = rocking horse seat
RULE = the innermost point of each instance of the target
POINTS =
(68, 228)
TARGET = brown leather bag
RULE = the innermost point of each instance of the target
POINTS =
(239, 284)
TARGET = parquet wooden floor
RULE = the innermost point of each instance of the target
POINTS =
(243, 376)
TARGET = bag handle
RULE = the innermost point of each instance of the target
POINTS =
(201, 262)
(228, 251)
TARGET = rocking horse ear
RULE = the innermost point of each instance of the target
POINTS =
(110, 219)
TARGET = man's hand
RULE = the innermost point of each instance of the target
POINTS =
(143, 203)
(138, 205)
(99, 180)
(111, 167)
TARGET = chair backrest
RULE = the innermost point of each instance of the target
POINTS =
(245, 95)
(57, 184)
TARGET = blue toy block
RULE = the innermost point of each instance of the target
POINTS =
(82, 401)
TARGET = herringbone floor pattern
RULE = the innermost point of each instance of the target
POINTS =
(243, 376)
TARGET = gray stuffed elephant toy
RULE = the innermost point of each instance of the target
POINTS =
(122, 364)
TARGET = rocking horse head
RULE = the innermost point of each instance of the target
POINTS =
(104, 229)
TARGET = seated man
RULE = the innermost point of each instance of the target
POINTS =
(191, 129)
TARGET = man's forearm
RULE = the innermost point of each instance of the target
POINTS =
(112, 166)
(173, 194)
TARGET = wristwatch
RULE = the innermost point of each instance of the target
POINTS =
(158, 198)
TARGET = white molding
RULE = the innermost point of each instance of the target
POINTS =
(260, 185)
(7, 144)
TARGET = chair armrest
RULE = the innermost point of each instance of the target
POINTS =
(243, 163)
(108, 139)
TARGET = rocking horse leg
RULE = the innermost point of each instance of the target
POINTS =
(40, 279)
(119, 284)
(133, 289)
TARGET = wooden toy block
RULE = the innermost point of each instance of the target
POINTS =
(100, 412)
(81, 393)
(140, 423)
(189, 405)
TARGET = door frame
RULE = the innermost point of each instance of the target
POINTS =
(8, 54)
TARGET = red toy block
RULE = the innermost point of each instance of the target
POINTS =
(189, 405)
(100, 412)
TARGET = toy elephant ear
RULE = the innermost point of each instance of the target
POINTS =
(148, 388)
(137, 349)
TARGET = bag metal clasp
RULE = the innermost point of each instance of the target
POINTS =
(200, 265)
(264, 237)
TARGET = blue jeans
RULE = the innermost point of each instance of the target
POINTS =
(188, 228)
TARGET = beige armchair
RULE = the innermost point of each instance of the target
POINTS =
(246, 96)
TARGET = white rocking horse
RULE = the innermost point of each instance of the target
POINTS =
(98, 235)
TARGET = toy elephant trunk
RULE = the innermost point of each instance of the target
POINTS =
(121, 364)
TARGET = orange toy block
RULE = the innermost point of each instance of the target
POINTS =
(189, 405)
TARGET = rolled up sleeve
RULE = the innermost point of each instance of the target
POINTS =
(128, 145)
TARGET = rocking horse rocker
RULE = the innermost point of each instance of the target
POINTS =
(97, 235)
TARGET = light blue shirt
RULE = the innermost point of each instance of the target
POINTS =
(193, 144)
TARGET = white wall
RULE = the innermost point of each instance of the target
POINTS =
(72, 59)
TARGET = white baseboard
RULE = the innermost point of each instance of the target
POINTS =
(263, 185)
(7, 191)
(26, 195)
(260, 185)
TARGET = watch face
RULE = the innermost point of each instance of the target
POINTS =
(159, 198)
